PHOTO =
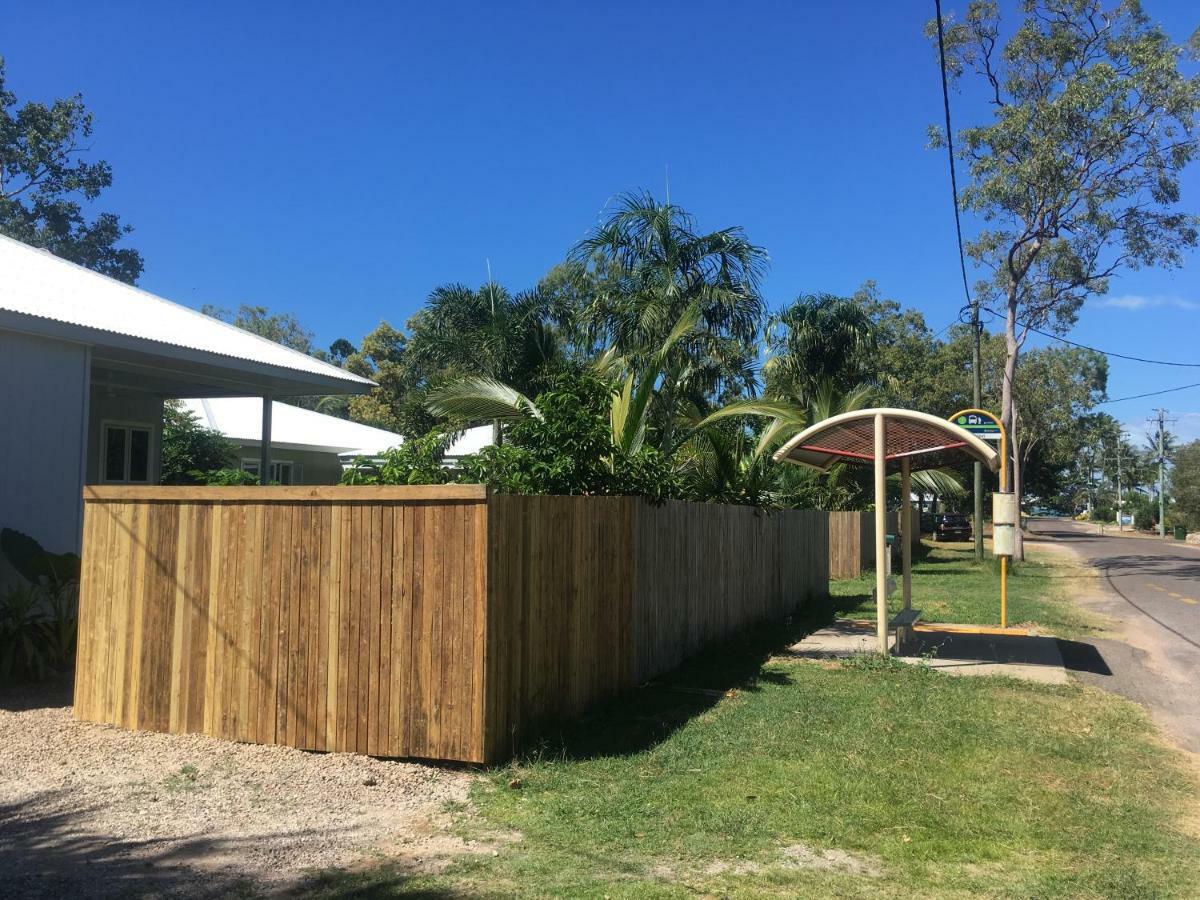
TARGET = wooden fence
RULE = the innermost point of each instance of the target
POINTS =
(852, 540)
(435, 622)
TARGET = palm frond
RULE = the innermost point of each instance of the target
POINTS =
(478, 399)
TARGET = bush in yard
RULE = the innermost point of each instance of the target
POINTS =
(225, 478)
(190, 452)
(569, 450)
(417, 461)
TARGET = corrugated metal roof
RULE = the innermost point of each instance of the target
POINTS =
(240, 419)
(38, 283)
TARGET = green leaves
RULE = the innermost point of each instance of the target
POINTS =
(477, 399)
(43, 178)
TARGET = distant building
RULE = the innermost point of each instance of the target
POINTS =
(305, 445)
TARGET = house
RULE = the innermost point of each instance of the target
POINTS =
(85, 364)
(304, 444)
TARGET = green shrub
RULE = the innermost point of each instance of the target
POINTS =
(226, 478)
(417, 461)
(569, 450)
(39, 619)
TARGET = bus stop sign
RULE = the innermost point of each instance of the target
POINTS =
(982, 425)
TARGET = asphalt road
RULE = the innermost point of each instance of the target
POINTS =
(1150, 590)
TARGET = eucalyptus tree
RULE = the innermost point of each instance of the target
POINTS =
(652, 265)
(1076, 175)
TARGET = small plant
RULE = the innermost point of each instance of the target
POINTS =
(186, 779)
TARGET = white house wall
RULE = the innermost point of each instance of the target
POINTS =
(43, 405)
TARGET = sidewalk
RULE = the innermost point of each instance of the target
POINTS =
(958, 651)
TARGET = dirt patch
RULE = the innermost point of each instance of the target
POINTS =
(94, 811)
(791, 857)
(802, 856)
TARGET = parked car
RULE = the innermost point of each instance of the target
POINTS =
(951, 527)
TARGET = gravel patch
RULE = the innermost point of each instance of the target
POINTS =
(95, 811)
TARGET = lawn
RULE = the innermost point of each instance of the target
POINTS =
(949, 586)
(748, 774)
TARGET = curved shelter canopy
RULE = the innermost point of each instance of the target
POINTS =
(896, 439)
(926, 441)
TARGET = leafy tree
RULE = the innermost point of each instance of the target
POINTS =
(398, 403)
(190, 452)
(282, 328)
(1077, 173)
(43, 178)
(1055, 387)
(650, 265)
(1185, 485)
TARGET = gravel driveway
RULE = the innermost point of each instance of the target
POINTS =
(93, 811)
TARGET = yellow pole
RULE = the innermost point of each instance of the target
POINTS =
(1004, 559)
(1003, 489)
(881, 610)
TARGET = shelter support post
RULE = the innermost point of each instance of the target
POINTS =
(904, 632)
(906, 526)
(264, 450)
(881, 547)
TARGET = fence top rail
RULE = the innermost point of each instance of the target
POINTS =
(123, 493)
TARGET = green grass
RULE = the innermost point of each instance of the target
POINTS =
(949, 586)
(932, 785)
(748, 774)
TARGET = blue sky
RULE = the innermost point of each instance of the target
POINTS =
(339, 161)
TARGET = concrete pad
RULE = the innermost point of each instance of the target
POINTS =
(1031, 657)
(840, 640)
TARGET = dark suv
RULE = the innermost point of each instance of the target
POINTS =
(951, 527)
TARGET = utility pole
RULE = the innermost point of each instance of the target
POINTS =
(1120, 455)
(976, 400)
(1160, 419)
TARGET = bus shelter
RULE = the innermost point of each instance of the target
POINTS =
(889, 440)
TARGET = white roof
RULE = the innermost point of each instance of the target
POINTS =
(470, 441)
(293, 428)
(39, 284)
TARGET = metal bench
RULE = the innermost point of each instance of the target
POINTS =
(903, 622)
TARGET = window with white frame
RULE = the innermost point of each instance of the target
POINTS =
(126, 452)
(283, 471)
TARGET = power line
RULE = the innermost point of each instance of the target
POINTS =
(1063, 340)
(1182, 387)
(962, 260)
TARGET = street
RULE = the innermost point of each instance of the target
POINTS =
(1150, 589)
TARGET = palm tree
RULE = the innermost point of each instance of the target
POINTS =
(652, 265)
(496, 335)
(480, 397)
(818, 339)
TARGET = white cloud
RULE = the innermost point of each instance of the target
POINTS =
(1144, 301)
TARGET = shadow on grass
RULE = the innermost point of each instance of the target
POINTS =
(647, 715)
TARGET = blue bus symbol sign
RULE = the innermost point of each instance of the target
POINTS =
(982, 425)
